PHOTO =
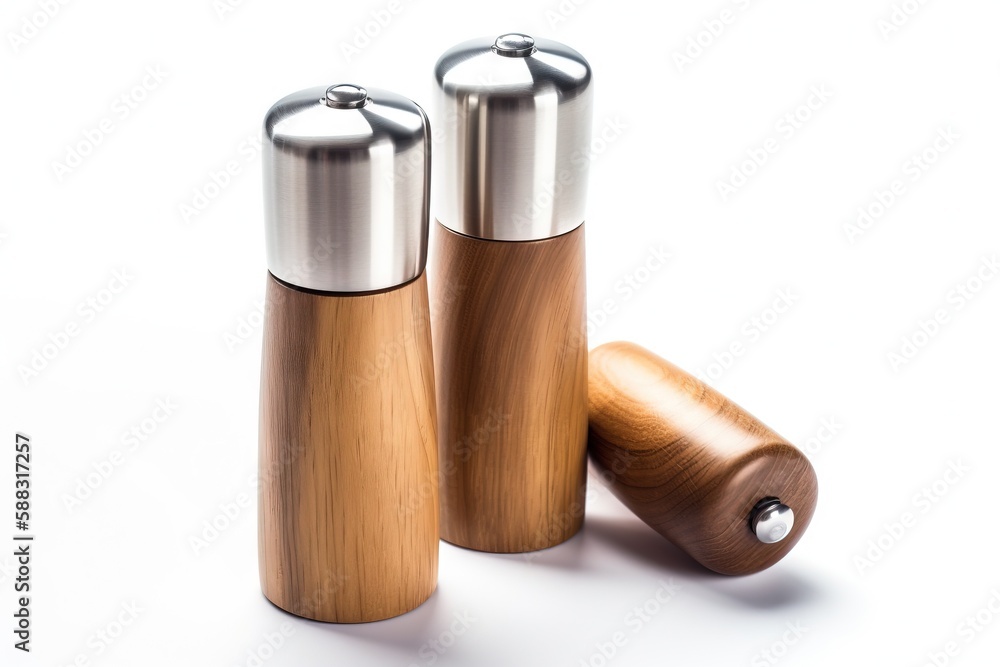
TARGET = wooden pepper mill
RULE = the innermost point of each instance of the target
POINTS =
(509, 291)
(348, 505)
(692, 464)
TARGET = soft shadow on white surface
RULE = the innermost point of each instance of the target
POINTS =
(774, 588)
(607, 539)
(615, 562)
(640, 542)
(406, 632)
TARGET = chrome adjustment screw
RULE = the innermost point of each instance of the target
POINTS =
(771, 521)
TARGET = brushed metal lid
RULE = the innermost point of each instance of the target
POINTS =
(514, 115)
(346, 189)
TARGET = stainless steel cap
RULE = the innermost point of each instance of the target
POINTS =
(346, 189)
(515, 117)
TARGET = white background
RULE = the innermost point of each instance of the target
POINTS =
(194, 285)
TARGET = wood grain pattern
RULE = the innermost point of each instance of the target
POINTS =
(348, 505)
(689, 462)
(511, 350)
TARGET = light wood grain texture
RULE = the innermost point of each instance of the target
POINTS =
(689, 462)
(511, 351)
(348, 506)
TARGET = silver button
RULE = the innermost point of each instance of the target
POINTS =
(514, 45)
(346, 96)
(772, 521)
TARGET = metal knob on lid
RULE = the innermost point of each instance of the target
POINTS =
(516, 116)
(514, 45)
(346, 189)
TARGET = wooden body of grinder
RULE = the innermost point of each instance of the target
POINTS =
(509, 292)
(348, 506)
(696, 467)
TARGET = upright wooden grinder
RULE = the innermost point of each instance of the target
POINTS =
(348, 509)
(508, 289)
(692, 464)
